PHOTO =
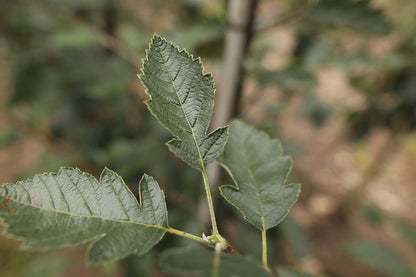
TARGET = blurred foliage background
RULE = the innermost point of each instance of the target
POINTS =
(335, 80)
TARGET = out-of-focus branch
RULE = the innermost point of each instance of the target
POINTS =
(240, 15)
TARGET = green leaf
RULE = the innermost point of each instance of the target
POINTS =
(182, 99)
(354, 14)
(199, 262)
(259, 170)
(55, 210)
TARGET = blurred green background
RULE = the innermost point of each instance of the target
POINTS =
(335, 80)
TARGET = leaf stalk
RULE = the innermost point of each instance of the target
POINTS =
(264, 243)
(215, 237)
(210, 203)
(186, 235)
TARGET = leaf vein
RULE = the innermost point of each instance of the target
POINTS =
(80, 193)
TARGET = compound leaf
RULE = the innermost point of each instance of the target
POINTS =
(200, 262)
(182, 99)
(259, 170)
(54, 210)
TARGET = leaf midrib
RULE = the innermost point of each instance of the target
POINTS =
(254, 187)
(89, 216)
(183, 110)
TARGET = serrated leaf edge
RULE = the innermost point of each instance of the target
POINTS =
(198, 59)
(262, 217)
(222, 149)
(93, 239)
(236, 186)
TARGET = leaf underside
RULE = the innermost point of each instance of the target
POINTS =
(55, 210)
(182, 99)
(259, 170)
(199, 262)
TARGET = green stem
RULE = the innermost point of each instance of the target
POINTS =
(210, 203)
(264, 242)
(216, 262)
(185, 234)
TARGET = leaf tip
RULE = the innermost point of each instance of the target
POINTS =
(106, 172)
(146, 178)
(156, 36)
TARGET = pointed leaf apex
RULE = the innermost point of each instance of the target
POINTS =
(156, 36)
(183, 107)
(146, 178)
(106, 171)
